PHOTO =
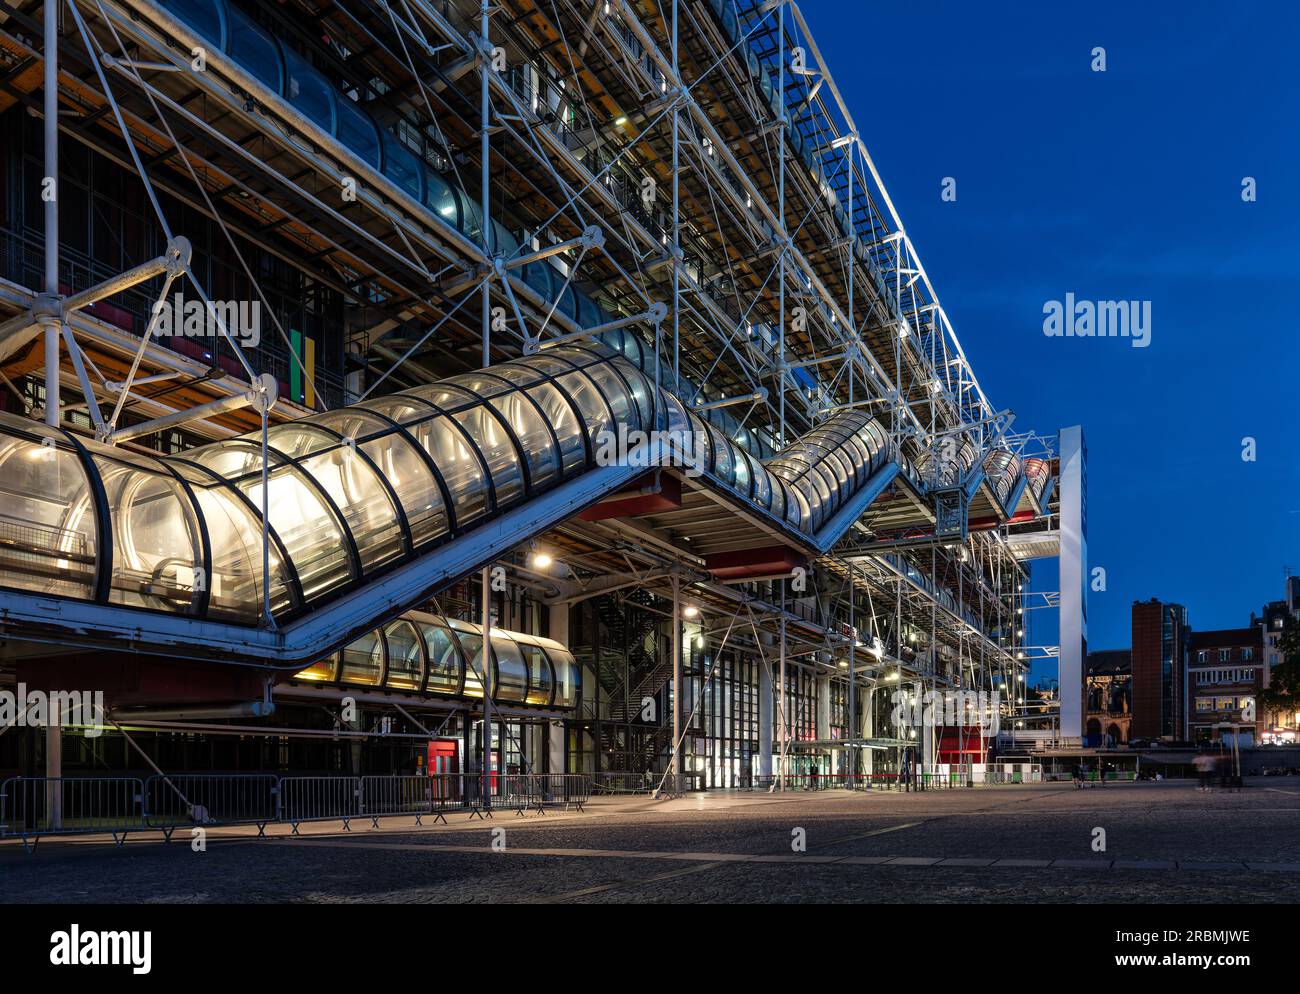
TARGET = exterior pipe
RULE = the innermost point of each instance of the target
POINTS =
(247, 709)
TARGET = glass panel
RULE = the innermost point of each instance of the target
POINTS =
(762, 483)
(156, 553)
(534, 436)
(351, 423)
(439, 198)
(471, 645)
(310, 533)
(363, 660)
(483, 384)
(471, 219)
(459, 466)
(539, 673)
(568, 678)
(562, 418)
(518, 374)
(833, 465)
(363, 501)
(308, 91)
(444, 660)
(641, 388)
(798, 512)
(538, 277)
(47, 521)
(413, 482)
(235, 534)
(449, 398)
(358, 132)
(497, 449)
(615, 392)
(595, 412)
(405, 660)
(742, 472)
(254, 49)
(204, 16)
(323, 670)
(511, 680)
(778, 497)
(722, 464)
(503, 242)
(298, 439)
(234, 459)
(401, 409)
(401, 165)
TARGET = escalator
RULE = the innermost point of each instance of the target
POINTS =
(371, 508)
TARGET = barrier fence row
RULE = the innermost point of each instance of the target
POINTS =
(31, 807)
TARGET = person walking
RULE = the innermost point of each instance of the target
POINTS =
(1204, 764)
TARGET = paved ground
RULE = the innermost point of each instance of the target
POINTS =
(1164, 842)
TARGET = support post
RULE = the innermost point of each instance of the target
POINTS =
(677, 686)
(558, 762)
(487, 686)
(53, 329)
(765, 708)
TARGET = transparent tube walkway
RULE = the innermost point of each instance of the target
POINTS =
(422, 653)
(360, 490)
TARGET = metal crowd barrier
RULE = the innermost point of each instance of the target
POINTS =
(34, 806)
(201, 799)
(320, 799)
(398, 795)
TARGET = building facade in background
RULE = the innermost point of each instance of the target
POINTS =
(1109, 697)
(1225, 676)
(1160, 640)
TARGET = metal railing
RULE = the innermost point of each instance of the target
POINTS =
(319, 799)
(211, 799)
(32, 807)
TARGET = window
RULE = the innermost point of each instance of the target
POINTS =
(1202, 656)
(1247, 653)
(1225, 655)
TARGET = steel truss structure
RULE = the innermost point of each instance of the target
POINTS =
(681, 183)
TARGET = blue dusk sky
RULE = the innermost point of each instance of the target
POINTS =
(1116, 185)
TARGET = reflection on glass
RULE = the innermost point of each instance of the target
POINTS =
(539, 673)
(405, 660)
(322, 670)
(511, 681)
(444, 660)
(568, 679)
(363, 660)
(311, 535)
(156, 553)
(362, 499)
(47, 525)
